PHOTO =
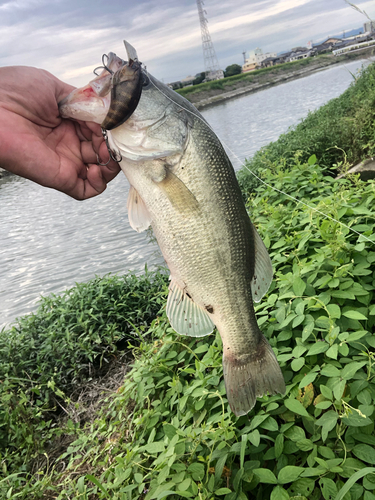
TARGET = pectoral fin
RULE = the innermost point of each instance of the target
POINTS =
(177, 193)
(186, 317)
(263, 272)
(139, 216)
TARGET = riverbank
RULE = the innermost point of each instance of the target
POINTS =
(212, 93)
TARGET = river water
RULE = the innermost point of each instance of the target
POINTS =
(50, 241)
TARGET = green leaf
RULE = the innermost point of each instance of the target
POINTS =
(328, 487)
(352, 480)
(169, 430)
(328, 421)
(333, 351)
(297, 364)
(354, 315)
(220, 466)
(279, 445)
(330, 371)
(334, 311)
(223, 491)
(278, 493)
(289, 474)
(365, 452)
(305, 444)
(93, 479)
(265, 476)
(153, 448)
(308, 379)
(351, 368)
(254, 438)
(312, 160)
(299, 286)
(243, 449)
(296, 407)
(165, 494)
(326, 391)
(318, 348)
(197, 471)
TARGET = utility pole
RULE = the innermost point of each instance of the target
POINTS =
(211, 64)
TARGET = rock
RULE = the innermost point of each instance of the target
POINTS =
(365, 169)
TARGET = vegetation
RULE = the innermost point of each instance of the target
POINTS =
(341, 132)
(233, 69)
(167, 431)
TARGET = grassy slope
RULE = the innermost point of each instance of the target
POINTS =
(167, 432)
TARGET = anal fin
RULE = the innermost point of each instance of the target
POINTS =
(139, 216)
(186, 317)
(263, 272)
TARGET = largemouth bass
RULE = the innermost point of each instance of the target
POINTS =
(183, 184)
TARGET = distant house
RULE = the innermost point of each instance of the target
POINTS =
(369, 26)
(282, 58)
(270, 61)
(300, 54)
(249, 67)
(188, 80)
(256, 57)
(332, 40)
(322, 48)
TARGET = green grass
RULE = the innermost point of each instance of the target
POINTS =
(168, 432)
(342, 132)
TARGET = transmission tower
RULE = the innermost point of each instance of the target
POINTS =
(211, 64)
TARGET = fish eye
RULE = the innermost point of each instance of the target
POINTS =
(145, 80)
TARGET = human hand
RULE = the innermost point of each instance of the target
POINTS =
(36, 143)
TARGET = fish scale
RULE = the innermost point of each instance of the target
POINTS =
(183, 184)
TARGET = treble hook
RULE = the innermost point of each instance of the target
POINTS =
(104, 66)
(113, 155)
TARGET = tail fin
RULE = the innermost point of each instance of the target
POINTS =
(251, 375)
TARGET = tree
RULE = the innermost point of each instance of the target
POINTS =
(233, 69)
(199, 77)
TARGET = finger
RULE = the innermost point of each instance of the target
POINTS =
(83, 132)
(87, 152)
(94, 127)
(96, 183)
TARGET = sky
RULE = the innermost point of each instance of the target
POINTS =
(68, 37)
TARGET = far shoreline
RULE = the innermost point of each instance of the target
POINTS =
(218, 96)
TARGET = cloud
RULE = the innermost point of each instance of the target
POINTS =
(68, 38)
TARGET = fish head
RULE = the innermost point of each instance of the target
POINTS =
(158, 119)
(92, 102)
(159, 126)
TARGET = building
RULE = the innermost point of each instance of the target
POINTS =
(255, 59)
(369, 26)
(300, 54)
(188, 80)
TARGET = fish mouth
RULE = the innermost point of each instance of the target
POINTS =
(92, 102)
(85, 104)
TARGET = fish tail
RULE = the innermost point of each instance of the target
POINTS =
(248, 376)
